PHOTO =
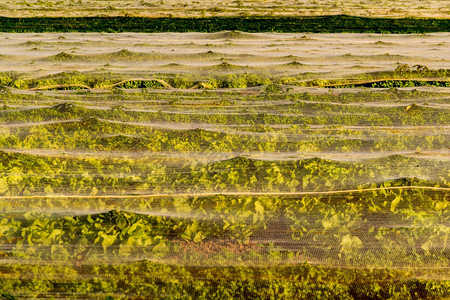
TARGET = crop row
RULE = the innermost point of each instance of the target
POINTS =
(224, 97)
(338, 23)
(296, 114)
(384, 228)
(165, 281)
(237, 79)
(85, 136)
(39, 175)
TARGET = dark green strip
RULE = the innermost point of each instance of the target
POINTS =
(389, 83)
(332, 24)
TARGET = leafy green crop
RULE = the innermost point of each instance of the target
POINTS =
(233, 185)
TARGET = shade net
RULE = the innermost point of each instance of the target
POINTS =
(178, 175)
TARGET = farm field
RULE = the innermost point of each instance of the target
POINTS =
(189, 8)
(224, 165)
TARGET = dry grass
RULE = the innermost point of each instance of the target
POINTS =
(164, 8)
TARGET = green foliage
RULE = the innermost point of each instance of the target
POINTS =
(338, 23)
(153, 280)
(130, 194)
(26, 174)
(273, 88)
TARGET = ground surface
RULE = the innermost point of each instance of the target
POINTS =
(188, 8)
(202, 55)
